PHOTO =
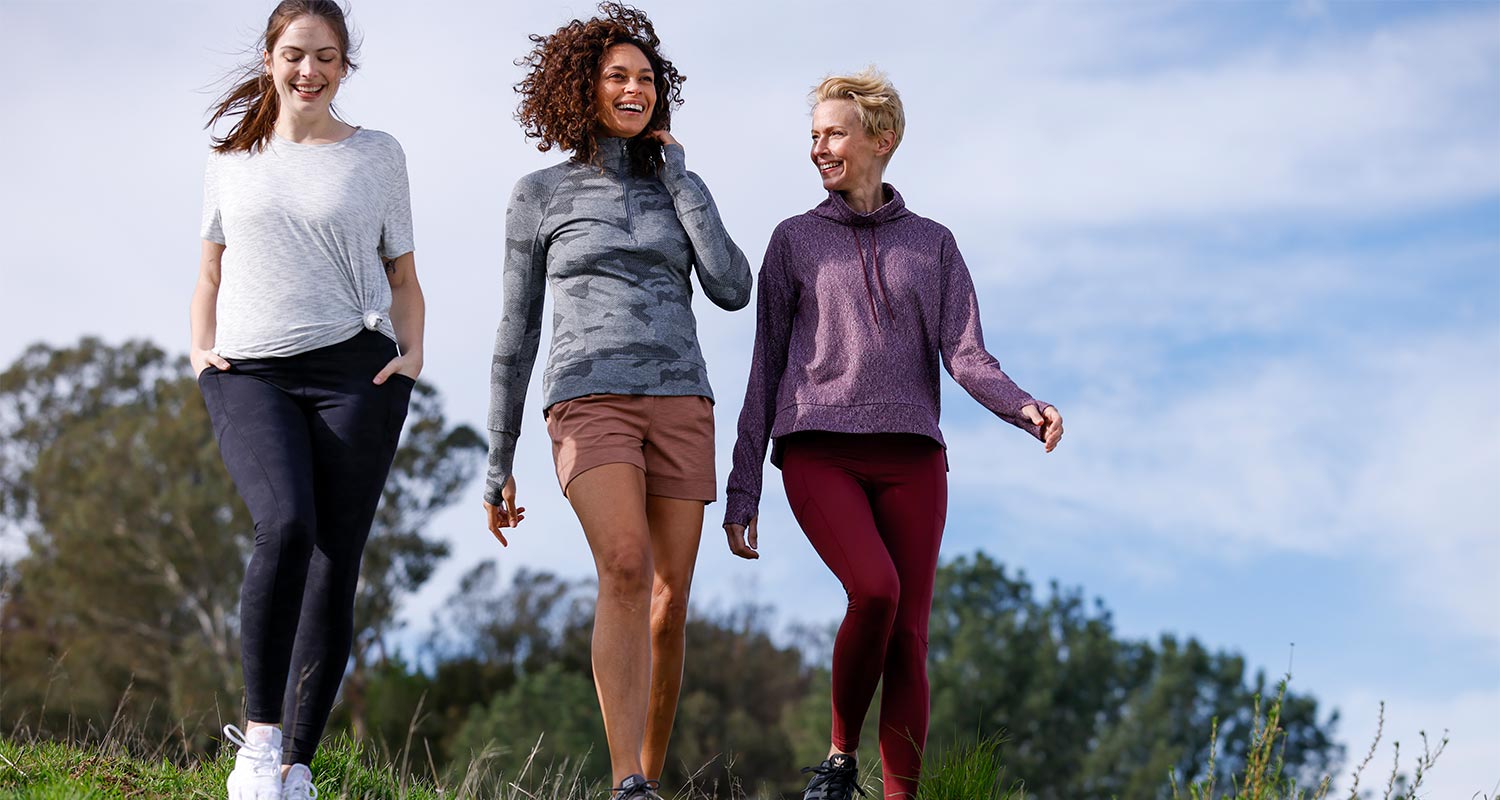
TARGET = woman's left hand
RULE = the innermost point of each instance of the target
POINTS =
(1050, 421)
(408, 364)
(664, 136)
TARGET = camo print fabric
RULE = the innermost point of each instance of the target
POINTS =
(618, 251)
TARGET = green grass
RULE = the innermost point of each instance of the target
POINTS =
(37, 770)
(55, 771)
(1264, 778)
(46, 770)
(969, 771)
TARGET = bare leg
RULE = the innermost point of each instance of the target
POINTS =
(676, 527)
(610, 501)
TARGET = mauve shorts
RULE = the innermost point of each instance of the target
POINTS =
(671, 439)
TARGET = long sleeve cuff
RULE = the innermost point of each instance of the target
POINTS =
(1025, 424)
(686, 195)
(502, 457)
(739, 507)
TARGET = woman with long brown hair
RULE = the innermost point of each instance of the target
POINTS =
(618, 230)
(306, 339)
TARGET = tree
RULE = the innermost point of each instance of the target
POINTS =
(552, 710)
(487, 638)
(539, 619)
(434, 463)
(507, 658)
(1088, 715)
(136, 540)
(129, 526)
(738, 688)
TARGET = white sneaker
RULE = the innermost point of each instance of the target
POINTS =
(257, 765)
(299, 784)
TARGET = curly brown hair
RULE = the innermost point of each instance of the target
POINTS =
(557, 94)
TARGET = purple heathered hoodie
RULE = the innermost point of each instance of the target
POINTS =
(852, 312)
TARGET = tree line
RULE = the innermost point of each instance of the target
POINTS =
(128, 544)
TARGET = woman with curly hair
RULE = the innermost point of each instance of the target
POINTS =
(860, 302)
(617, 230)
(307, 340)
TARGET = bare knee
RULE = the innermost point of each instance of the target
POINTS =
(625, 576)
(669, 610)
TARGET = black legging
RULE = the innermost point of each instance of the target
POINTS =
(308, 440)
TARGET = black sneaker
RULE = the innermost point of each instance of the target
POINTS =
(834, 779)
(636, 787)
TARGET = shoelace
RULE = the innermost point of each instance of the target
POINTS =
(303, 789)
(263, 760)
(623, 792)
(838, 777)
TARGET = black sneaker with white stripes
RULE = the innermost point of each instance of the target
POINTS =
(636, 787)
(837, 778)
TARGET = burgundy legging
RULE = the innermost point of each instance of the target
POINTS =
(873, 506)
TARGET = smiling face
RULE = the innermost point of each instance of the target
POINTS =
(624, 91)
(847, 157)
(306, 64)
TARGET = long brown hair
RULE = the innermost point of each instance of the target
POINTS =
(557, 94)
(253, 99)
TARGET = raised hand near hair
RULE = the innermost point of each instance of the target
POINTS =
(1050, 421)
(743, 541)
(665, 137)
(505, 515)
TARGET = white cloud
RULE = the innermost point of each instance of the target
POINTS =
(1035, 116)
(1392, 454)
(1401, 118)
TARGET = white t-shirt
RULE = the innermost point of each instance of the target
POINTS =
(306, 229)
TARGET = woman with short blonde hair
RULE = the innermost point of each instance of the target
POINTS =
(876, 103)
(860, 301)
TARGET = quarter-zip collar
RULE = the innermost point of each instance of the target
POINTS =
(613, 154)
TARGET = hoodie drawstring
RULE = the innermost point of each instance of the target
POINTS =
(879, 276)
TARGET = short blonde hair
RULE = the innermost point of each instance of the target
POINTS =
(874, 96)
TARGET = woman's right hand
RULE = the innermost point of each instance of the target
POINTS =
(664, 137)
(202, 359)
(505, 515)
(743, 541)
(1049, 421)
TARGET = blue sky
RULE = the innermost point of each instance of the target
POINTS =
(1251, 250)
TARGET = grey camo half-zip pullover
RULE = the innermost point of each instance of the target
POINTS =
(618, 251)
